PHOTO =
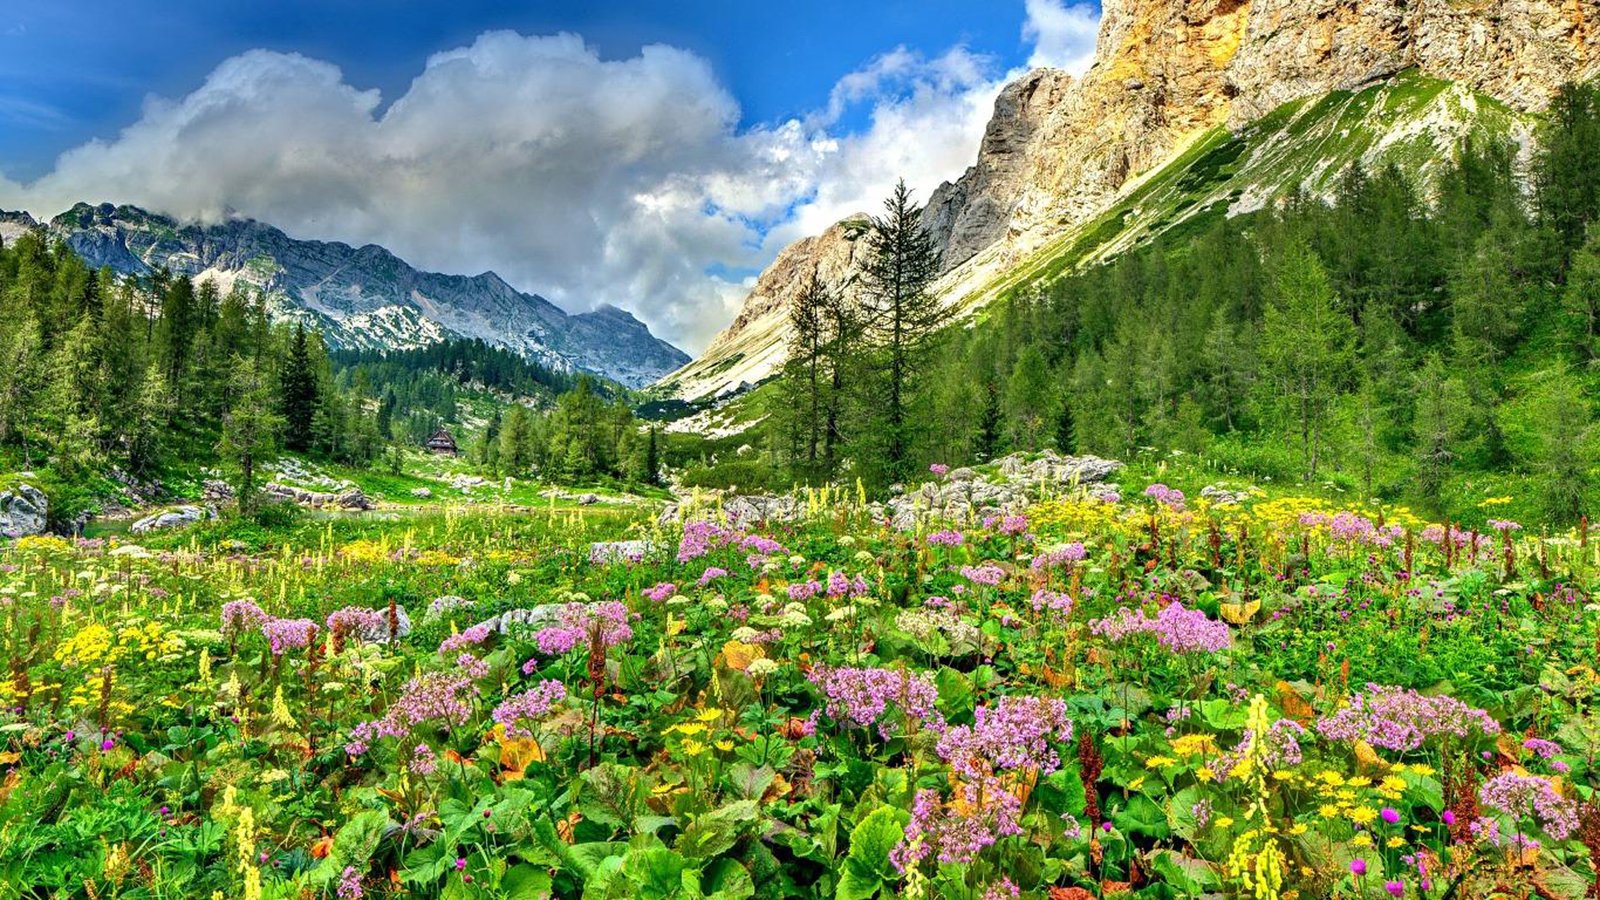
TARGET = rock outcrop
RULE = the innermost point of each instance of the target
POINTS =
(1059, 151)
(24, 510)
(350, 498)
(965, 495)
(176, 517)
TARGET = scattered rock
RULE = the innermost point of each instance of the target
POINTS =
(352, 498)
(24, 510)
(588, 499)
(1222, 495)
(964, 494)
(465, 483)
(176, 517)
(421, 493)
(602, 552)
(216, 491)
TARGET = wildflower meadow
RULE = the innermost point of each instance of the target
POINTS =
(1096, 695)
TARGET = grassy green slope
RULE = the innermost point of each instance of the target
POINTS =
(1411, 121)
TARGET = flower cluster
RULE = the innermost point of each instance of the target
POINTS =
(431, 698)
(861, 696)
(287, 634)
(946, 537)
(239, 616)
(1177, 628)
(987, 574)
(1013, 733)
(582, 623)
(660, 592)
(1527, 796)
(515, 711)
(1172, 498)
(1057, 557)
(1396, 718)
(471, 637)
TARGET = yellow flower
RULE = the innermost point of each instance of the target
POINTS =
(693, 747)
(724, 745)
(1192, 744)
(1397, 842)
(1363, 814)
(1362, 840)
(1328, 810)
(1204, 773)
(1299, 828)
(1394, 783)
(1224, 822)
(1420, 769)
(1156, 762)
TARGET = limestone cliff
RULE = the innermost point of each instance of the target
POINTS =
(1060, 151)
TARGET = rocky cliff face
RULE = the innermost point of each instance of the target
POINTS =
(1060, 151)
(366, 296)
(745, 351)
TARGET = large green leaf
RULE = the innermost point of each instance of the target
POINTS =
(867, 868)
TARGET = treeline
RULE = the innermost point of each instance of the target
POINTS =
(1394, 339)
(420, 388)
(584, 437)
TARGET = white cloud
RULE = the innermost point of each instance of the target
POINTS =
(1062, 36)
(584, 179)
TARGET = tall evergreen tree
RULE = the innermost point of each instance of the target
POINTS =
(297, 393)
(249, 430)
(1306, 346)
(902, 319)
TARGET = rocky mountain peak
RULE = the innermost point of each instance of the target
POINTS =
(1060, 151)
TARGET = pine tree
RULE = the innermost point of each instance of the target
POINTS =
(902, 319)
(297, 393)
(249, 430)
(1566, 449)
(147, 428)
(1027, 401)
(1440, 425)
(1306, 346)
(1567, 165)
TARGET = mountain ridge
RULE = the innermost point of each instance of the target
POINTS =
(361, 297)
(1059, 151)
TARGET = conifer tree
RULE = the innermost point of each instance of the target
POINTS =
(901, 318)
(297, 392)
(249, 429)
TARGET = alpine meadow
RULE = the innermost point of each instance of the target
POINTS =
(969, 450)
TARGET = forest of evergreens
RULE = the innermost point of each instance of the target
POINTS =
(1401, 340)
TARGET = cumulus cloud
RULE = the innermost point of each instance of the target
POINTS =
(585, 179)
(1062, 36)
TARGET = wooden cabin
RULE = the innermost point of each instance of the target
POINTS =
(443, 443)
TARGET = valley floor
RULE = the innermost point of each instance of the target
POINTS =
(1092, 691)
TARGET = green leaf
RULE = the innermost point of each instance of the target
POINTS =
(1142, 816)
(352, 846)
(1188, 876)
(727, 879)
(717, 831)
(525, 882)
(867, 868)
(658, 872)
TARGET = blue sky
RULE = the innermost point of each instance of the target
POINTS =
(71, 70)
(654, 157)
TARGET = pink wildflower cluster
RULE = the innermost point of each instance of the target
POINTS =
(431, 698)
(239, 616)
(1396, 718)
(287, 634)
(842, 585)
(1349, 528)
(861, 696)
(701, 537)
(1057, 604)
(712, 573)
(515, 711)
(578, 622)
(661, 592)
(1177, 628)
(471, 637)
(1172, 498)
(1058, 557)
(1013, 733)
(986, 573)
(946, 538)
(1530, 797)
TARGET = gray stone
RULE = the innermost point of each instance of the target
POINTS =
(24, 510)
(176, 517)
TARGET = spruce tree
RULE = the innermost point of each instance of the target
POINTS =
(902, 318)
(1306, 347)
(249, 429)
(297, 393)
